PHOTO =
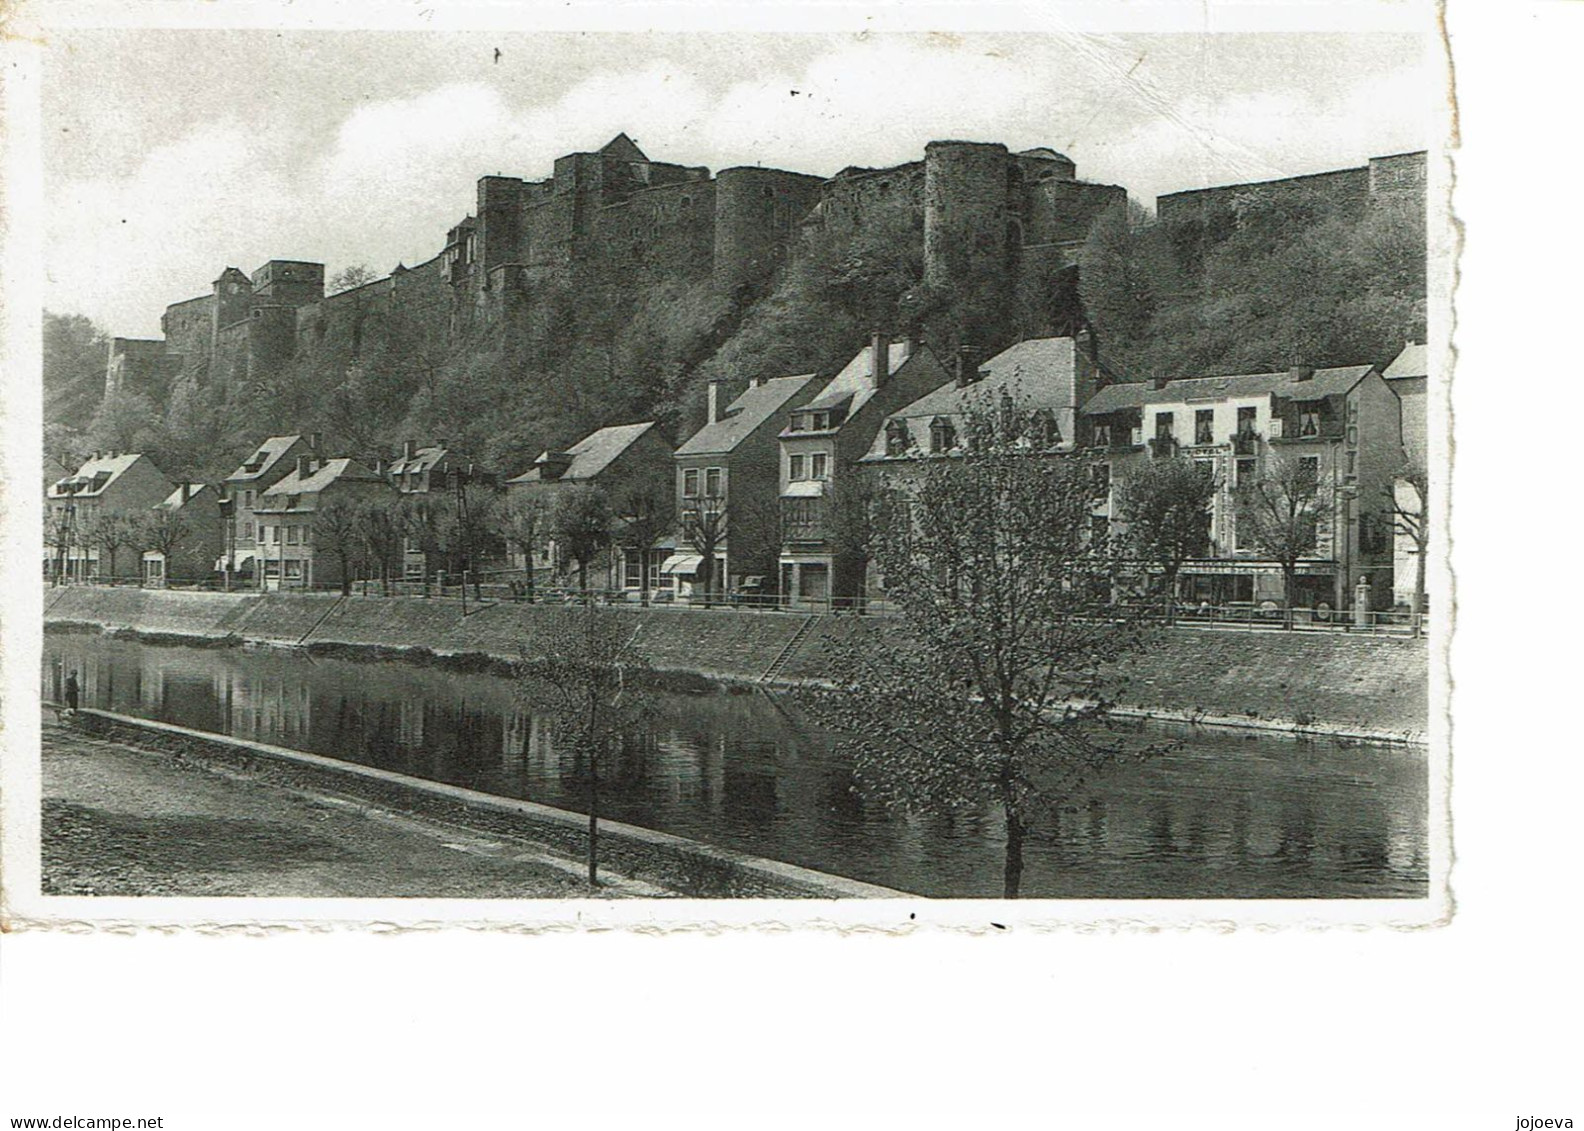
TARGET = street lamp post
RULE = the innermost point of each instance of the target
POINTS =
(228, 532)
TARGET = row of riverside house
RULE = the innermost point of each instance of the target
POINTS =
(767, 500)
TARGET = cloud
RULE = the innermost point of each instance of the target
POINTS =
(387, 181)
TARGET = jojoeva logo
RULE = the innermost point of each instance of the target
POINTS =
(1535, 1123)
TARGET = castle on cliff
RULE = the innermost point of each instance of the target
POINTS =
(614, 218)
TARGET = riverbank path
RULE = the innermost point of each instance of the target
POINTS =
(119, 820)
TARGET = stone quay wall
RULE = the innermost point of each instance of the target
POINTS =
(1374, 687)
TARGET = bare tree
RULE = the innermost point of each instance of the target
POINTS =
(992, 686)
(705, 522)
(165, 531)
(588, 674)
(1409, 493)
(645, 515)
(109, 532)
(1166, 507)
(1280, 512)
(382, 535)
(521, 524)
(350, 278)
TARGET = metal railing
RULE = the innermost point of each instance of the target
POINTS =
(1270, 615)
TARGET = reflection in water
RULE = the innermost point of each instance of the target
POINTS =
(1224, 815)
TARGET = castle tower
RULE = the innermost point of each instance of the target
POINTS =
(965, 209)
(233, 292)
(289, 282)
(756, 213)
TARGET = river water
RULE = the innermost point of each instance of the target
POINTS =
(1223, 815)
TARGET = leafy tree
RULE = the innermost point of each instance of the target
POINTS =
(1280, 511)
(76, 353)
(587, 672)
(381, 535)
(1409, 493)
(706, 521)
(645, 516)
(581, 524)
(1165, 505)
(994, 687)
(125, 421)
(337, 531)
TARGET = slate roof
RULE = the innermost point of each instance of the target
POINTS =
(1414, 361)
(745, 414)
(592, 454)
(854, 383)
(110, 467)
(174, 500)
(422, 461)
(1037, 373)
(266, 454)
(1136, 394)
(326, 473)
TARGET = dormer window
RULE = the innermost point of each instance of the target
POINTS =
(822, 421)
(1308, 422)
(896, 437)
(1102, 435)
(943, 435)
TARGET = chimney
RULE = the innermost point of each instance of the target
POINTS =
(409, 449)
(553, 465)
(303, 466)
(879, 358)
(1300, 373)
(755, 382)
(967, 373)
(1158, 383)
(713, 400)
(316, 440)
(380, 468)
(186, 489)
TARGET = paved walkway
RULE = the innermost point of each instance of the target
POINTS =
(122, 821)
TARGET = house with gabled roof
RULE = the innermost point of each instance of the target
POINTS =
(110, 485)
(821, 443)
(186, 536)
(618, 460)
(293, 552)
(730, 466)
(242, 490)
(432, 472)
(1341, 424)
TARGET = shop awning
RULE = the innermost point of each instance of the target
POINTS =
(682, 563)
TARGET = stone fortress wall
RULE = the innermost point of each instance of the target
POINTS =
(615, 219)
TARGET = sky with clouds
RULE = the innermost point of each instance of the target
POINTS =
(169, 155)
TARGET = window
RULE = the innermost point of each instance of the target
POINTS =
(822, 421)
(896, 437)
(1102, 435)
(819, 466)
(1163, 426)
(1245, 423)
(247, 531)
(712, 483)
(1102, 479)
(1204, 426)
(294, 569)
(690, 483)
(943, 435)
(1308, 422)
(795, 468)
(292, 535)
(247, 498)
(1245, 472)
(1309, 468)
(799, 423)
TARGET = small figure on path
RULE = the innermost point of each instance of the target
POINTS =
(71, 693)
